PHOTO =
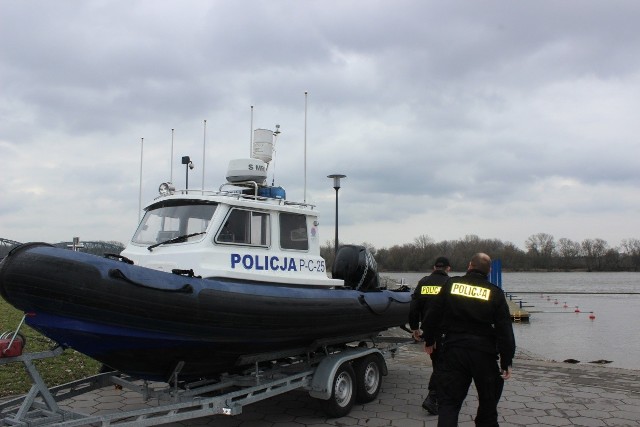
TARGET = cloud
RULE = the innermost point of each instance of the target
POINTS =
(501, 120)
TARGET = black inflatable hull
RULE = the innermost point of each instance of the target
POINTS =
(145, 322)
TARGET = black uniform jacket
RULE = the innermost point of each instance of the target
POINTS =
(473, 313)
(426, 291)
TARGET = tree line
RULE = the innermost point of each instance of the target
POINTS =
(542, 253)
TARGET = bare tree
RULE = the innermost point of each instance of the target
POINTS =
(423, 242)
(594, 250)
(425, 252)
(541, 247)
(569, 252)
(610, 260)
(631, 249)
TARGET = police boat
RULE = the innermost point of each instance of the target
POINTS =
(209, 279)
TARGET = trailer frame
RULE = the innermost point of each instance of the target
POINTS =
(272, 374)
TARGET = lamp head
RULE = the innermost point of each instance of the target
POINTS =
(336, 179)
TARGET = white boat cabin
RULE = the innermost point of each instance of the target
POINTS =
(243, 231)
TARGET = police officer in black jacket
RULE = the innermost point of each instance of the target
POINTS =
(426, 291)
(478, 343)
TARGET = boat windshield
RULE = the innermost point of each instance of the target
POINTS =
(170, 219)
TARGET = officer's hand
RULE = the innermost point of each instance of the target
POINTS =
(506, 374)
(429, 349)
(417, 335)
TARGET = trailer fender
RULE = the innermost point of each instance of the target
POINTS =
(321, 383)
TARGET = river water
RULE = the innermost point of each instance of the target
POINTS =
(558, 333)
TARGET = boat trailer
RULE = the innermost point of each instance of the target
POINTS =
(334, 372)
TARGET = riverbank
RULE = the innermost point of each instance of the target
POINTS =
(599, 331)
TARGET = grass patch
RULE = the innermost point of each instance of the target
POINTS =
(69, 366)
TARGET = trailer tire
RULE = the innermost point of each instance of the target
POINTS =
(368, 372)
(343, 392)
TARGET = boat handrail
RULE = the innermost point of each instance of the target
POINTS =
(302, 204)
(251, 184)
(238, 195)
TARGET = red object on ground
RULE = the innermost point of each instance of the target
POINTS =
(14, 350)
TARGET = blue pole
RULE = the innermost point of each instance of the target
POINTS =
(496, 273)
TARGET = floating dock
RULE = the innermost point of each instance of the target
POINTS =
(516, 311)
(515, 308)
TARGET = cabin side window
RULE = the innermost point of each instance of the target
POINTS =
(293, 231)
(245, 227)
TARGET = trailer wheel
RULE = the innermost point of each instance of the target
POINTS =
(343, 392)
(368, 372)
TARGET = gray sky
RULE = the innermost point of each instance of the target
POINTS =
(501, 119)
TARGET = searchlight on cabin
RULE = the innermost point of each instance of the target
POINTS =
(166, 189)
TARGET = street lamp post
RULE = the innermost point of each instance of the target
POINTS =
(336, 186)
(188, 165)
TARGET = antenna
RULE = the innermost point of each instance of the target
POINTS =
(305, 145)
(204, 143)
(275, 140)
(251, 134)
(171, 158)
(140, 190)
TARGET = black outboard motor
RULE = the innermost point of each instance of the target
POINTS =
(357, 267)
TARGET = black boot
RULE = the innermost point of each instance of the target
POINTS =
(431, 403)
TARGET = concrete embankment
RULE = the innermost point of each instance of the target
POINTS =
(538, 394)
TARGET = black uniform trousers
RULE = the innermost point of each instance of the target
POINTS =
(435, 365)
(457, 367)
(435, 360)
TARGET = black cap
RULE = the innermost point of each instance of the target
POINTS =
(442, 262)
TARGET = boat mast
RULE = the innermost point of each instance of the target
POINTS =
(305, 146)
(251, 134)
(204, 143)
(140, 190)
(171, 158)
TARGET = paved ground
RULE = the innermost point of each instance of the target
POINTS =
(539, 394)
